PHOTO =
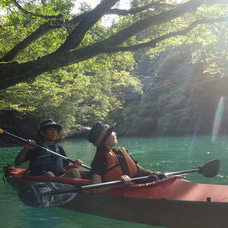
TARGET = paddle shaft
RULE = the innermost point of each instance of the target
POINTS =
(118, 182)
(50, 151)
(209, 169)
(182, 172)
(112, 183)
(78, 189)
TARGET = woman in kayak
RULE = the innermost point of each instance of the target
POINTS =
(113, 163)
(42, 162)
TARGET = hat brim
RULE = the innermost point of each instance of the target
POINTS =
(56, 126)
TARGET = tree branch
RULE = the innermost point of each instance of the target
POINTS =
(16, 72)
(123, 12)
(77, 35)
(33, 14)
(71, 41)
(141, 25)
(44, 28)
(154, 42)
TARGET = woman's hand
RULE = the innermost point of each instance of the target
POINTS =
(159, 175)
(126, 180)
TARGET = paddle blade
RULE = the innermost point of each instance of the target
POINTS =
(2, 131)
(37, 194)
(210, 169)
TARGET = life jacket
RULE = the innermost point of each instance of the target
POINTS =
(47, 162)
(119, 163)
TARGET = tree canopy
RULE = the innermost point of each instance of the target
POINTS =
(45, 35)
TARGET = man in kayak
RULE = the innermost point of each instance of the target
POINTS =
(113, 163)
(41, 162)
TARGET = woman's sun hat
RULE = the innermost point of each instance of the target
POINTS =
(100, 133)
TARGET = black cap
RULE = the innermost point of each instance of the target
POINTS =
(99, 133)
(49, 123)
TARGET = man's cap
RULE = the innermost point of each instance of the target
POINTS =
(49, 123)
(100, 133)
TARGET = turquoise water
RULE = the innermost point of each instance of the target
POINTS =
(164, 154)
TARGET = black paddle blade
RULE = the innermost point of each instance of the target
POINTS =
(38, 194)
(210, 169)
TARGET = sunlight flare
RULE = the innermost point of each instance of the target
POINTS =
(218, 119)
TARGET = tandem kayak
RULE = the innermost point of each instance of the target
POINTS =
(170, 202)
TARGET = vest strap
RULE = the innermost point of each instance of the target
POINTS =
(122, 162)
(47, 147)
(111, 167)
(56, 147)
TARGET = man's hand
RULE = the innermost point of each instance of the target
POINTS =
(31, 144)
(78, 163)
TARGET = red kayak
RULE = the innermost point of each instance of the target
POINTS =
(171, 202)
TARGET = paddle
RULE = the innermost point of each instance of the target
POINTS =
(49, 194)
(210, 169)
(34, 195)
(41, 147)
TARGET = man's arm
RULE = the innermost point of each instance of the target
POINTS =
(21, 157)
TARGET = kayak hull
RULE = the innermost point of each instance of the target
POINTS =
(158, 212)
(172, 202)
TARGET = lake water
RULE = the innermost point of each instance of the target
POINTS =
(165, 154)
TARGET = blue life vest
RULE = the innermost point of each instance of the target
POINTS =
(47, 162)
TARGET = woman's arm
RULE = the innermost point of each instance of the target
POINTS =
(145, 172)
(96, 179)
